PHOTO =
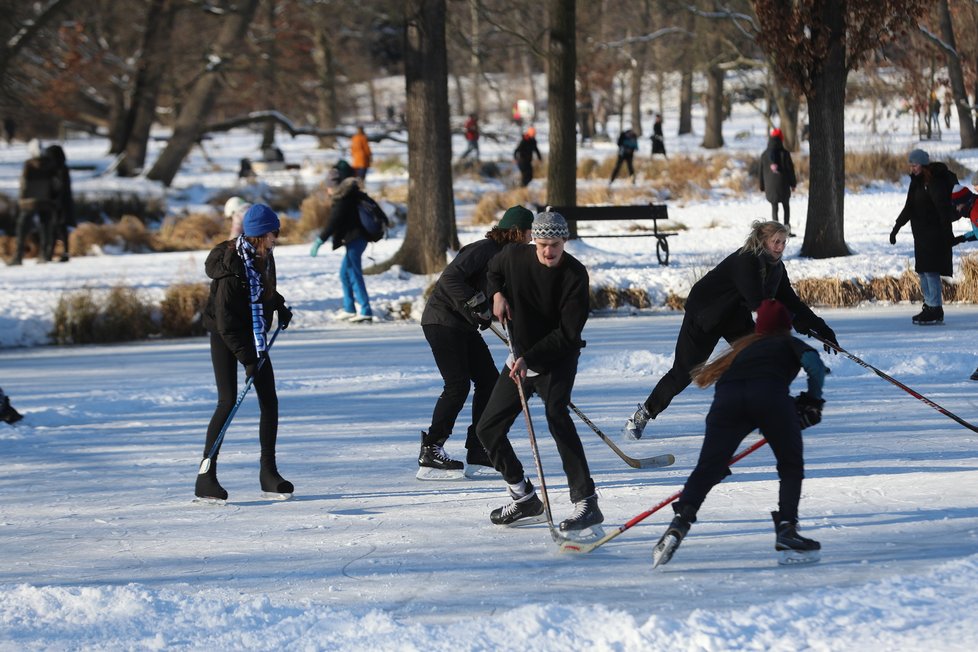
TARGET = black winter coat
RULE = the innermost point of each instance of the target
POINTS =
(343, 224)
(930, 213)
(228, 311)
(464, 277)
(777, 183)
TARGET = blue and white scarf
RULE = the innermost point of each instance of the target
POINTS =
(256, 290)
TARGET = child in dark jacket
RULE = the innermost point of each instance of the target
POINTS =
(753, 380)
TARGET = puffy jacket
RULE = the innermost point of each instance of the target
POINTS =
(343, 224)
(930, 213)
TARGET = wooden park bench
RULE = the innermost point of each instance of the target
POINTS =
(654, 212)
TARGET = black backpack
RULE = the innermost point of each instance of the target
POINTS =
(373, 220)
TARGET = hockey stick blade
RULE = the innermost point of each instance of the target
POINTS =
(655, 462)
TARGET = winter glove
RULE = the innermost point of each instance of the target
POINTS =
(284, 316)
(828, 335)
(893, 235)
(478, 306)
(809, 410)
(957, 240)
(315, 247)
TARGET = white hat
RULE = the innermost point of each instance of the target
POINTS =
(235, 204)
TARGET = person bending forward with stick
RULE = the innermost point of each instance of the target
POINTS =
(540, 292)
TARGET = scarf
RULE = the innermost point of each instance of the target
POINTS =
(256, 289)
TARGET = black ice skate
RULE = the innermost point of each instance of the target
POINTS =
(208, 489)
(7, 412)
(794, 548)
(931, 316)
(435, 464)
(671, 538)
(274, 485)
(478, 464)
(585, 520)
(526, 508)
(635, 425)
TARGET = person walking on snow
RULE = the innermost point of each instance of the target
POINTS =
(454, 314)
(541, 293)
(523, 155)
(360, 154)
(243, 297)
(753, 385)
(777, 176)
(627, 146)
(929, 211)
(658, 140)
(719, 306)
(472, 136)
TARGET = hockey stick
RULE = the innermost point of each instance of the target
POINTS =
(205, 464)
(917, 395)
(574, 546)
(634, 462)
(535, 449)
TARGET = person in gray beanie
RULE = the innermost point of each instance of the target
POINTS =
(540, 293)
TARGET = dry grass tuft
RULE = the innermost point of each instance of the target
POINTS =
(192, 232)
(84, 317)
(493, 204)
(314, 212)
(181, 310)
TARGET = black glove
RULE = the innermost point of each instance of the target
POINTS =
(826, 334)
(284, 316)
(480, 310)
(809, 410)
(957, 240)
(893, 235)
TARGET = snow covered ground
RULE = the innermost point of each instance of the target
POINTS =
(101, 547)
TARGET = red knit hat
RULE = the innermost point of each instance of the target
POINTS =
(960, 193)
(776, 133)
(772, 317)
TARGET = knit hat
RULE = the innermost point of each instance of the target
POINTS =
(259, 220)
(776, 133)
(233, 205)
(772, 317)
(342, 170)
(919, 157)
(550, 226)
(960, 193)
(516, 216)
(531, 132)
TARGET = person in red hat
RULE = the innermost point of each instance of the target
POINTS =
(777, 176)
(753, 390)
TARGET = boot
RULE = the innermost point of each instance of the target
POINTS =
(932, 315)
(586, 514)
(674, 535)
(207, 485)
(924, 311)
(525, 508)
(271, 481)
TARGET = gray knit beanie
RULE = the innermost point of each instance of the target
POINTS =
(919, 157)
(550, 226)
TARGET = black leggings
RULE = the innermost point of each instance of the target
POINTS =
(226, 375)
(787, 212)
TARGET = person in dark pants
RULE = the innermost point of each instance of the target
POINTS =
(753, 383)
(541, 293)
(453, 316)
(64, 202)
(38, 192)
(658, 140)
(243, 297)
(720, 305)
(627, 145)
(777, 176)
(523, 154)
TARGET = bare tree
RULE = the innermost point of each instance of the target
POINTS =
(955, 72)
(561, 72)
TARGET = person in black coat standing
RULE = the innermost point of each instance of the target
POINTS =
(930, 213)
(658, 140)
(64, 202)
(243, 297)
(523, 154)
(456, 311)
(777, 176)
(720, 305)
(627, 146)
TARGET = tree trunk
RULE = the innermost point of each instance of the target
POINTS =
(713, 128)
(322, 56)
(825, 225)
(968, 136)
(431, 215)
(203, 93)
(787, 103)
(269, 75)
(686, 102)
(561, 75)
(475, 59)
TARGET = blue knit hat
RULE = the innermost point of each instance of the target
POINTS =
(259, 220)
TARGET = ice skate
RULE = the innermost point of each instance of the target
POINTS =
(794, 548)
(478, 465)
(671, 538)
(435, 464)
(525, 509)
(587, 517)
(635, 426)
(208, 490)
(274, 485)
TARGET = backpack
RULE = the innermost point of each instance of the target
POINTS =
(373, 220)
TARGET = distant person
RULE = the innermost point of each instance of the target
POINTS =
(234, 211)
(343, 226)
(37, 203)
(627, 146)
(246, 173)
(360, 155)
(456, 311)
(934, 117)
(7, 412)
(243, 297)
(517, 116)
(523, 155)
(472, 136)
(930, 213)
(720, 305)
(64, 202)
(753, 390)
(777, 176)
(9, 129)
(948, 101)
(658, 140)
(964, 201)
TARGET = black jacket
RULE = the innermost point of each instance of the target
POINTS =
(525, 150)
(343, 224)
(464, 277)
(777, 183)
(930, 213)
(228, 311)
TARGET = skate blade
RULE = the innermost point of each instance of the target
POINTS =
(274, 495)
(428, 473)
(798, 557)
(587, 535)
(664, 550)
(529, 520)
(478, 472)
(203, 500)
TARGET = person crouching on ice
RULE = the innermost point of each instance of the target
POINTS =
(541, 293)
(753, 380)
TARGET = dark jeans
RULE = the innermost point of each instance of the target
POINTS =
(628, 161)
(463, 358)
(226, 375)
(45, 235)
(693, 347)
(787, 212)
(503, 408)
(526, 172)
(738, 408)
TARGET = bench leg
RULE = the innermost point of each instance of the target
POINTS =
(662, 251)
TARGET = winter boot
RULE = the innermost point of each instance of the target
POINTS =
(794, 548)
(525, 508)
(586, 514)
(920, 315)
(636, 423)
(207, 486)
(7, 412)
(271, 481)
(673, 536)
(933, 315)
